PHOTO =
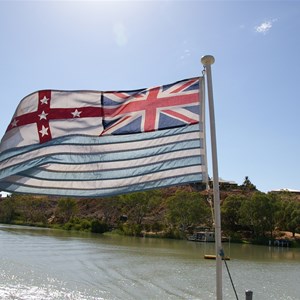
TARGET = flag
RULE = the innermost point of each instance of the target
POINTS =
(94, 144)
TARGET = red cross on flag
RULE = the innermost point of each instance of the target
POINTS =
(48, 114)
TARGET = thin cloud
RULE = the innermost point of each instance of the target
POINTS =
(185, 54)
(120, 34)
(265, 26)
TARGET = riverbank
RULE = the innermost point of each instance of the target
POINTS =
(170, 213)
(284, 239)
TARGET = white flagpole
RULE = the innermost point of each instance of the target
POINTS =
(207, 61)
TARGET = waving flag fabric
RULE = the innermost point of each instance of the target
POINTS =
(92, 143)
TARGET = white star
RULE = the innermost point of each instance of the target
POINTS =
(43, 115)
(14, 123)
(44, 131)
(44, 100)
(76, 113)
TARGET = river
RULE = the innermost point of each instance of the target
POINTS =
(42, 264)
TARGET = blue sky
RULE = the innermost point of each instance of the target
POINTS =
(107, 45)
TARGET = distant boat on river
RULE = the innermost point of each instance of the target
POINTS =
(202, 236)
(205, 236)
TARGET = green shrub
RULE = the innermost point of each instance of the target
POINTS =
(7, 211)
(85, 225)
(173, 234)
(98, 227)
(78, 224)
(131, 229)
(68, 226)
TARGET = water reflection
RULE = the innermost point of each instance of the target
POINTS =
(55, 264)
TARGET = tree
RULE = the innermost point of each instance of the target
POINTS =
(67, 208)
(137, 205)
(7, 210)
(248, 185)
(111, 207)
(98, 227)
(294, 222)
(186, 208)
(231, 212)
(33, 210)
(290, 215)
(259, 213)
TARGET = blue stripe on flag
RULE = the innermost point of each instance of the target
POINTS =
(112, 174)
(74, 192)
(102, 166)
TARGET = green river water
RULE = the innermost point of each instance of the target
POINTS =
(42, 264)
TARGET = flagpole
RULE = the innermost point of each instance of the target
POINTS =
(207, 61)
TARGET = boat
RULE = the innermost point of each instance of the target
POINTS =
(206, 236)
(202, 236)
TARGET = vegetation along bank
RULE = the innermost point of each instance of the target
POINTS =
(248, 215)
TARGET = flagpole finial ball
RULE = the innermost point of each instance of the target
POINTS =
(207, 60)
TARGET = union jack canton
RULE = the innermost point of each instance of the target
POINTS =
(151, 109)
